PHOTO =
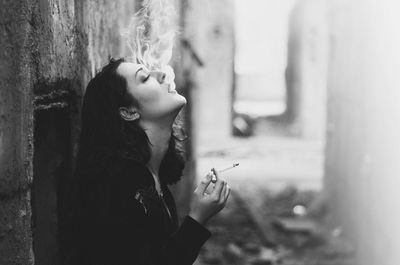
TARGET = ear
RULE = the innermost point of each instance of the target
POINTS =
(129, 113)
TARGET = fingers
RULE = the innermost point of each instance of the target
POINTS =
(223, 191)
(215, 176)
(228, 191)
(202, 187)
(216, 193)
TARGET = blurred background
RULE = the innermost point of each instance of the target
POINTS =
(304, 94)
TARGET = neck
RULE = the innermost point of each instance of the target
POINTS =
(159, 135)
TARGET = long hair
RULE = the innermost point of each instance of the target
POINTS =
(105, 134)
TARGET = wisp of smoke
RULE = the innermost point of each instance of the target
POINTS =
(150, 36)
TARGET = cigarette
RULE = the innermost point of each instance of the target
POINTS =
(214, 177)
(225, 169)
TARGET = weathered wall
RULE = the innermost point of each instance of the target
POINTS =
(363, 147)
(50, 49)
(15, 136)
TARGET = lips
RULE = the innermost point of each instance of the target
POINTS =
(171, 90)
(169, 78)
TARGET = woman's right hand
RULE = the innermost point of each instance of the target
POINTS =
(204, 205)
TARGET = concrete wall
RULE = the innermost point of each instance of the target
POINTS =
(363, 143)
(49, 51)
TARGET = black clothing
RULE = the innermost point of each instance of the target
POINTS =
(121, 220)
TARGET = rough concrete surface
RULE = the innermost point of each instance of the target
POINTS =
(48, 49)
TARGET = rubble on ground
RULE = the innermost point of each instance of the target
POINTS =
(298, 236)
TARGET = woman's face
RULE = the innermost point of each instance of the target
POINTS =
(155, 98)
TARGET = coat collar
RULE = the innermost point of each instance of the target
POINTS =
(142, 172)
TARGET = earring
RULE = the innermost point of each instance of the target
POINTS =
(129, 115)
(136, 116)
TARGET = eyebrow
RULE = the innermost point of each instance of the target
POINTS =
(137, 71)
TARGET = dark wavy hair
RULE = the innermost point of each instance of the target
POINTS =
(105, 137)
(105, 134)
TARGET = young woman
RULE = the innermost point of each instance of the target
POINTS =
(122, 210)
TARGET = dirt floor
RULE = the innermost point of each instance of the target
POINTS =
(295, 234)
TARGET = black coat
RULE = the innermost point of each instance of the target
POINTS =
(123, 220)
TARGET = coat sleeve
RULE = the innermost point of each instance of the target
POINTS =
(121, 237)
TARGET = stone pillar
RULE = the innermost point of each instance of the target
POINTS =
(363, 144)
(306, 72)
(210, 30)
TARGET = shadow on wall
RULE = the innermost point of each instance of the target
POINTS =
(56, 121)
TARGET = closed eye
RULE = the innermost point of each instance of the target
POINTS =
(146, 78)
(143, 76)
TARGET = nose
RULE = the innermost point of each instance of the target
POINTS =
(160, 76)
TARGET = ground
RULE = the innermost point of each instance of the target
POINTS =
(238, 240)
(261, 223)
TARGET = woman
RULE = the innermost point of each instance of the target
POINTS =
(123, 211)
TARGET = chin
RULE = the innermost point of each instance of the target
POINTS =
(183, 99)
(175, 104)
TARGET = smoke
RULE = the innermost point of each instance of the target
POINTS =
(151, 34)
